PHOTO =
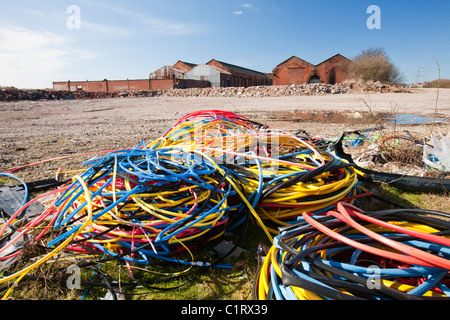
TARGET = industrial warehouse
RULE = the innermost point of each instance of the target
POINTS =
(215, 73)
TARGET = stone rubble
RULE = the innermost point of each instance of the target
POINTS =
(274, 91)
(13, 94)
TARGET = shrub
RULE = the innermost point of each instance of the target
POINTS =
(374, 64)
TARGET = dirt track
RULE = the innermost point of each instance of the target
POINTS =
(39, 130)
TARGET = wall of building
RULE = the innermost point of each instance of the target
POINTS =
(191, 83)
(219, 74)
(297, 71)
(96, 86)
(161, 84)
(292, 71)
(167, 72)
(239, 76)
(122, 86)
(334, 70)
(204, 72)
(93, 86)
(104, 85)
(128, 85)
(60, 86)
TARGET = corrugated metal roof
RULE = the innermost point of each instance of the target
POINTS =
(218, 69)
(239, 69)
(207, 72)
(167, 72)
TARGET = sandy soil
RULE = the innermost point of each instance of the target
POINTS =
(40, 130)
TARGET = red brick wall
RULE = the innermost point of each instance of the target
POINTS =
(139, 85)
(334, 69)
(161, 84)
(292, 71)
(104, 86)
(297, 71)
(61, 86)
(127, 85)
(96, 86)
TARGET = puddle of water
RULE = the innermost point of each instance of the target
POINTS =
(350, 117)
(412, 119)
(328, 116)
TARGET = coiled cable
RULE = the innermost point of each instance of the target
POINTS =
(348, 254)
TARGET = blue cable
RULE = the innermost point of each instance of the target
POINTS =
(25, 186)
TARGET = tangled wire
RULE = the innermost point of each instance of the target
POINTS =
(349, 254)
(211, 172)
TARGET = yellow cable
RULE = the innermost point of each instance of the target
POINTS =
(19, 275)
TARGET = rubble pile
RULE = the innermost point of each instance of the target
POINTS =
(260, 91)
(13, 94)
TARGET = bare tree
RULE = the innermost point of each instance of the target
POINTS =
(374, 64)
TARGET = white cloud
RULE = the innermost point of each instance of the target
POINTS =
(33, 59)
(250, 7)
(247, 7)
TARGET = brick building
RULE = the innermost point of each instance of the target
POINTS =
(217, 77)
(129, 85)
(240, 76)
(217, 73)
(170, 77)
(184, 66)
(298, 71)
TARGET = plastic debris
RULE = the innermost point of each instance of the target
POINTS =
(437, 155)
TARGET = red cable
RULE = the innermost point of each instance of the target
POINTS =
(426, 257)
(363, 247)
(422, 235)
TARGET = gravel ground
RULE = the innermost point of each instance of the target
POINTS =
(33, 131)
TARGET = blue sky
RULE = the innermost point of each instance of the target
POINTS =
(130, 39)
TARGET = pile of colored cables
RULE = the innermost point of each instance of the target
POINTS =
(303, 180)
(146, 203)
(281, 174)
(207, 174)
(348, 254)
(207, 129)
(139, 206)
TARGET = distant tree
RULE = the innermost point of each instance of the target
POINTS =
(374, 64)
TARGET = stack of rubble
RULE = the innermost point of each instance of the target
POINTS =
(279, 91)
(259, 91)
(13, 94)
